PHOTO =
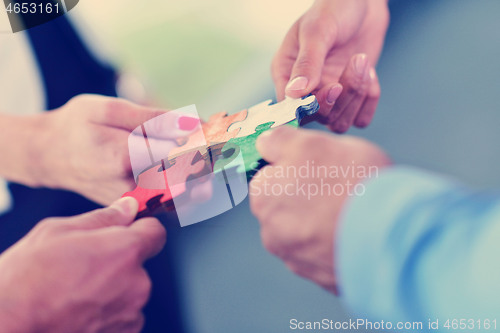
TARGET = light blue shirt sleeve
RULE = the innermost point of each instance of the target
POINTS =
(416, 246)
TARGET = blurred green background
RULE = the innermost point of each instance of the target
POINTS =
(194, 52)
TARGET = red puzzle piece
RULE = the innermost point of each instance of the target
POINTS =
(164, 181)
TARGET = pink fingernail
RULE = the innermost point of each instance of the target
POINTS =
(299, 83)
(360, 64)
(186, 123)
(333, 94)
(373, 74)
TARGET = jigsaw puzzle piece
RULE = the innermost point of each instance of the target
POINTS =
(190, 165)
(279, 114)
(212, 132)
(229, 138)
(310, 107)
(195, 142)
(166, 180)
(153, 178)
(216, 129)
(143, 196)
(247, 147)
(252, 160)
(255, 116)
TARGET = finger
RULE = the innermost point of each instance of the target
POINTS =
(121, 113)
(355, 81)
(282, 64)
(173, 124)
(152, 237)
(326, 96)
(365, 115)
(272, 145)
(314, 46)
(156, 138)
(121, 213)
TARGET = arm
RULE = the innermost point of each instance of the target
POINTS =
(401, 244)
(427, 248)
(19, 146)
(81, 147)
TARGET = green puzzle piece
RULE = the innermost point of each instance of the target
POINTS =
(245, 145)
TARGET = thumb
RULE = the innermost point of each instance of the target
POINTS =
(273, 145)
(121, 213)
(306, 72)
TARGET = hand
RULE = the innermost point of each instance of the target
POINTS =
(298, 198)
(331, 51)
(80, 274)
(84, 145)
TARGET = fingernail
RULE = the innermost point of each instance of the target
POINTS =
(360, 64)
(333, 94)
(373, 74)
(299, 83)
(186, 123)
(126, 205)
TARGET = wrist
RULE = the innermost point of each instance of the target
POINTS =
(19, 137)
(38, 162)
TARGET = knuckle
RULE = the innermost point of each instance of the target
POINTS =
(356, 88)
(341, 126)
(356, 85)
(105, 216)
(143, 287)
(47, 226)
(138, 324)
(79, 98)
(304, 63)
(256, 198)
(278, 72)
(120, 165)
(363, 122)
(113, 108)
(294, 268)
(310, 26)
(269, 243)
(374, 92)
(132, 244)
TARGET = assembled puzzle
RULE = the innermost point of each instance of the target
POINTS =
(226, 136)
